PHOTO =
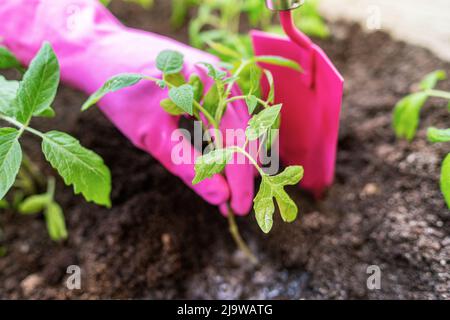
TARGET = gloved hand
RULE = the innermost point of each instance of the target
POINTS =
(92, 46)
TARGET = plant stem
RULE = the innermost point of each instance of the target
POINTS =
(21, 126)
(223, 103)
(29, 173)
(438, 94)
(208, 116)
(234, 230)
(250, 158)
(51, 187)
(236, 98)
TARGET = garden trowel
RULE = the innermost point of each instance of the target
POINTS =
(311, 99)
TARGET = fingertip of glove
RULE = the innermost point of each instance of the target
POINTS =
(214, 190)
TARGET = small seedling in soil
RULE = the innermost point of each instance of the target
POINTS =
(407, 115)
(20, 103)
(187, 98)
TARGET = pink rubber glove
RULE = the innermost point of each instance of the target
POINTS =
(92, 45)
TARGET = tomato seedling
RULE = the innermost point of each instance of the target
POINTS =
(406, 121)
(187, 97)
(20, 103)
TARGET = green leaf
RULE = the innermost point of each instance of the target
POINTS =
(10, 158)
(406, 115)
(251, 102)
(39, 85)
(214, 73)
(279, 61)
(177, 79)
(445, 179)
(255, 75)
(56, 225)
(47, 113)
(430, 80)
(197, 85)
(263, 121)
(34, 204)
(224, 50)
(290, 176)
(171, 108)
(183, 97)
(78, 166)
(114, 84)
(273, 187)
(210, 164)
(8, 92)
(438, 135)
(271, 94)
(169, 62)
(211, 101)
(8, 60)
(264, 206)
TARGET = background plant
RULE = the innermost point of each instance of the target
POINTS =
(217, 20)
(20, 103)
(407, 116)
(187, 97)
(144, 3)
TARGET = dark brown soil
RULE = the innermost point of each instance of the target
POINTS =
(160, 240)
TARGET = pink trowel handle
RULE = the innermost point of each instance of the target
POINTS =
(300, 39)
(291, 30)
(285, 7)
(279, 5)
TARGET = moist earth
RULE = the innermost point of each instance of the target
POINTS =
(160, 240)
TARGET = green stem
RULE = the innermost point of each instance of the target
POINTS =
(21, 126)
(51, 187)
(208, 116)
(251, 159)
(438, 94)
(260, 101)
(234, 230)
(222, 102)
